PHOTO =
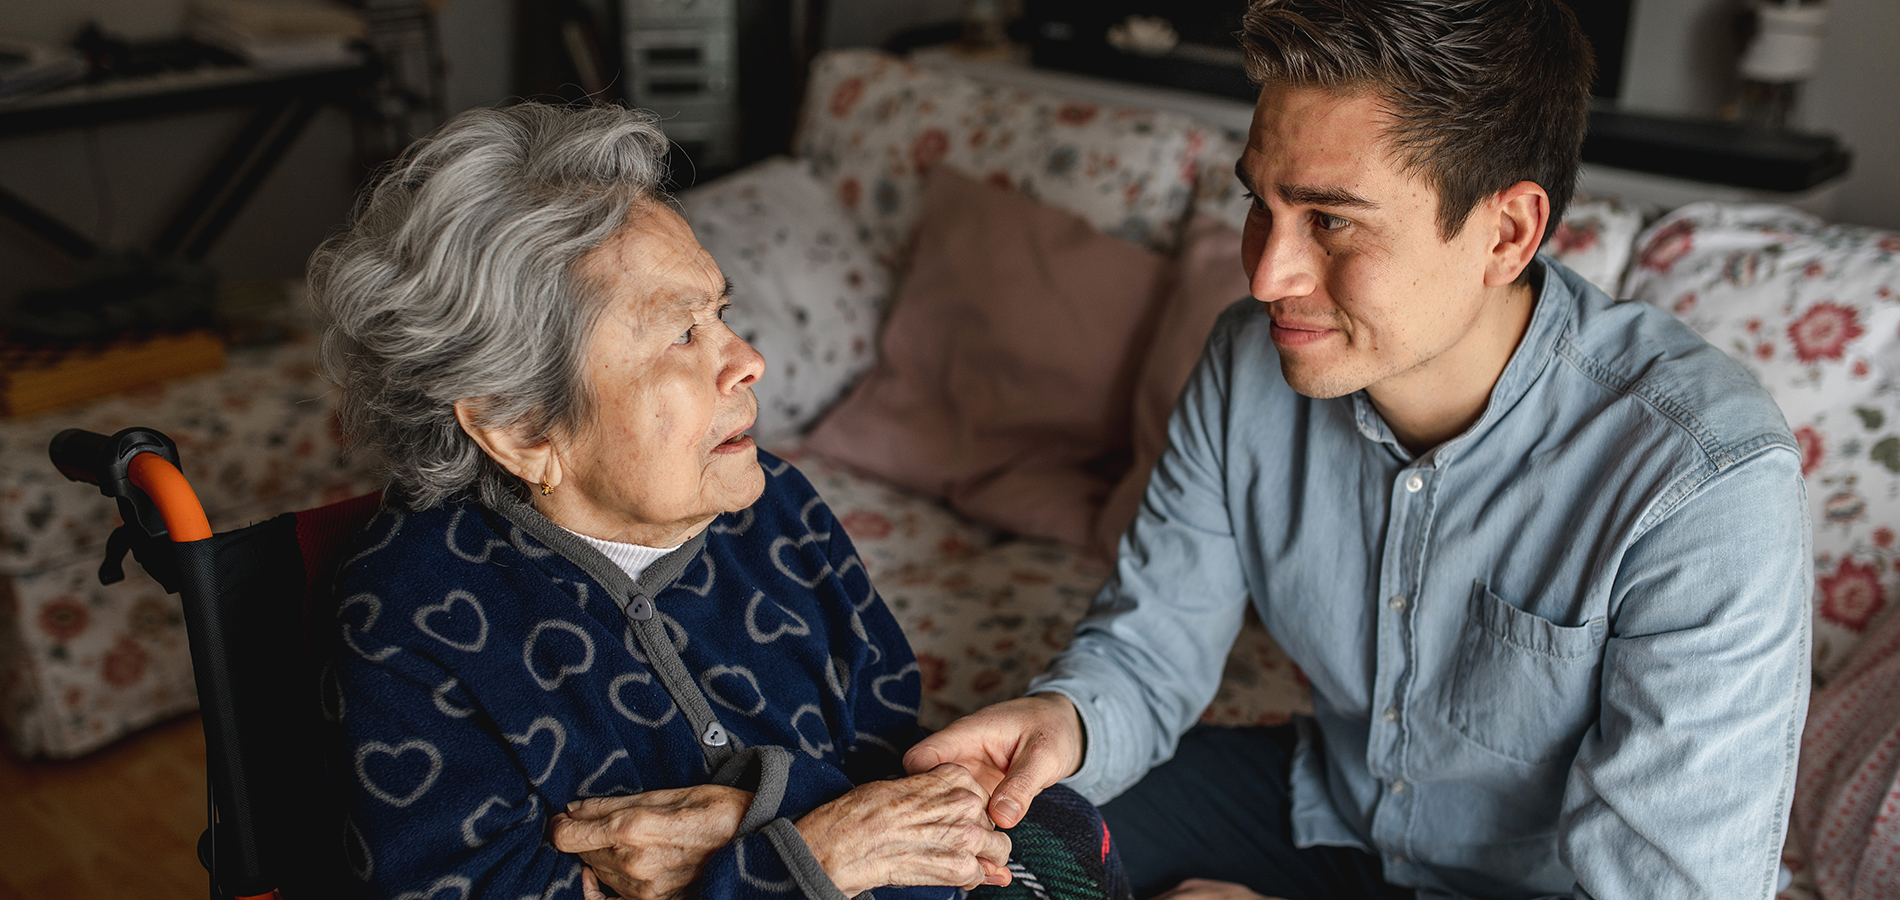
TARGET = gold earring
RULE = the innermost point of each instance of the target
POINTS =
(546, 488)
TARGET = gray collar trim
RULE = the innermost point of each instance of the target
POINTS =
(658, 577)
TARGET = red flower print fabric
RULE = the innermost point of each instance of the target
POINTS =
(64, 618)
(1824, 332)
(1669, 245)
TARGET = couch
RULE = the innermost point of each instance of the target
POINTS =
(988, 552)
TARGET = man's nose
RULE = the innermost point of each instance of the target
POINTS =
(1286, 267)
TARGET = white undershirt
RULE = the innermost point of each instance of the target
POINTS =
(631, 558)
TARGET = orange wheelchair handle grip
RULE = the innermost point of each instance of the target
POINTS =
(107, 462)
(177, 503)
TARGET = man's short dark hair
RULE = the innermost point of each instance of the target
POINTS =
(1484, 93)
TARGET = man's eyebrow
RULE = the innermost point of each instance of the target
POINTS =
(1308, 195)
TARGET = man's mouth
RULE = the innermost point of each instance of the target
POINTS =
(1296, 334)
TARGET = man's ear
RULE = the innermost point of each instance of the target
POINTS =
(1522, 213)
(531, 459)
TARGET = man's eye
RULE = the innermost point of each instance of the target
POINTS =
(1253, 199)
(1329, 223)
(686, 337)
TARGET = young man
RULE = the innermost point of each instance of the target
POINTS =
(1543, 557)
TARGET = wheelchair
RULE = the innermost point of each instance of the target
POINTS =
(257, 605)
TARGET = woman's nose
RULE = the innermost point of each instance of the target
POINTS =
(744, 365)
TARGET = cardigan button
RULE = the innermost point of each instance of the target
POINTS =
(715, 736)
(640, 608)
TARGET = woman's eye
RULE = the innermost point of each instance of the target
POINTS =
(1329, 223)
(686, 337)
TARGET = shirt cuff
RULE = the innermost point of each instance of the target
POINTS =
(1109, 767)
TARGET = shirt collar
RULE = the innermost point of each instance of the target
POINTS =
(1549, 318)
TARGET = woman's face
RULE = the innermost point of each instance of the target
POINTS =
(666, 451)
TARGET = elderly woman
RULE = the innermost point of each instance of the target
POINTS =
(587, 582)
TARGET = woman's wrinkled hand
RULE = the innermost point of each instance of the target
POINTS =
(652, 845)
(929, 828)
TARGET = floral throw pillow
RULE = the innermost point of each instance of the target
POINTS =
(874, 126)
(1218, 193)
(1810, 309)
(805, 291)
(1594, 239)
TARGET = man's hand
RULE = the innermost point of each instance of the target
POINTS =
(650, 846)
(925, 829)
(1014, 749)
(1203, 889)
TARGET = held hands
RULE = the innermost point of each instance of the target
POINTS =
(1014, 750)
(650, 845)
(935, 827)
(929, 828)
(925, 829)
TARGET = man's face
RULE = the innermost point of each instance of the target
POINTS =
(1343, 247)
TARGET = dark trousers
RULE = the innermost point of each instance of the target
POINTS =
(1222, 809)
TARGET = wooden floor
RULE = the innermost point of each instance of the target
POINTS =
(122, 822)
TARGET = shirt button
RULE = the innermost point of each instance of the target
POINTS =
(1415, 483)
(1396, 604)
(1391, 714)
(1398, 787)
(715, 736)
(1396, 859)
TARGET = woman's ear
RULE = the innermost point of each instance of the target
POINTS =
(531, 459)
(1523, 213)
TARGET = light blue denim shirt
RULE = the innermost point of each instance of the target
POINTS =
(1562, 654)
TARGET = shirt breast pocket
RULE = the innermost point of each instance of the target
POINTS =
(1525, 687)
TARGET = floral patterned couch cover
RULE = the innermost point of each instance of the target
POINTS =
(83, 663)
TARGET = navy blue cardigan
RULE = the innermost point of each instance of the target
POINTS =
(492, 667)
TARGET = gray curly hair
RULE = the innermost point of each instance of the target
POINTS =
(458, 280)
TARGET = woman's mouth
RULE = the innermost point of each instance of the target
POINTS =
(735, 444)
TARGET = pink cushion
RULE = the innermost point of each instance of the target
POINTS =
(1004, 374)
(1208, 278)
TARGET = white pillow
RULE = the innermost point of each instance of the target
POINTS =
(1217, 191)
(1595, 238)
(805, 291)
